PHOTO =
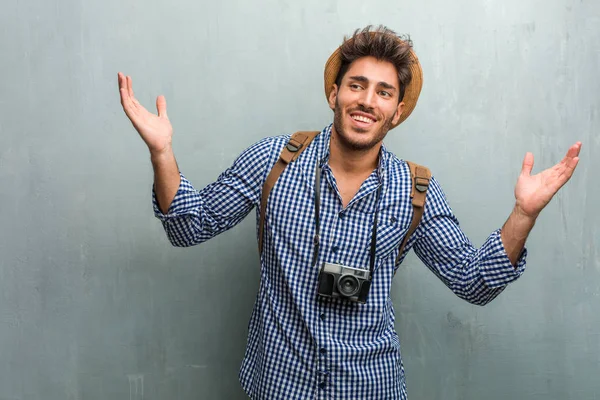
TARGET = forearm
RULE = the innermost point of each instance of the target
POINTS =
(166, 178)
(476, 275)
(514, 234)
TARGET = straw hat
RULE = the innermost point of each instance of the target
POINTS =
(411, 92)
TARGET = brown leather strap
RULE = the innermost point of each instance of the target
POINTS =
(419, 177)
(296, 145)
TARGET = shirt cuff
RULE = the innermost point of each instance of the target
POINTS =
(185, 201)
(497, 270)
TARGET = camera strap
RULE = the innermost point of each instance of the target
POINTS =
(292, 150)
(317, 222)
(420, 177)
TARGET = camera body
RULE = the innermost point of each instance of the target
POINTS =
(336, 280)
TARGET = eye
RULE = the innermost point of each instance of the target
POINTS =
(385, 94)
(355, 86)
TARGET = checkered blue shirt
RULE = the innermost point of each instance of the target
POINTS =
(301, 346)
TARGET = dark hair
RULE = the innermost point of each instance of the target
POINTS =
(383, 44)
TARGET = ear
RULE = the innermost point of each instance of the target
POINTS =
(398, 113)
(333, 96)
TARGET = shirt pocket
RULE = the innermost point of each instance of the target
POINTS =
(393, 222)
(391, 229)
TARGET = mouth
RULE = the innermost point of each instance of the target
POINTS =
(362, 120)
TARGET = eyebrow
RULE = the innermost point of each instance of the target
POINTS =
(361, 78)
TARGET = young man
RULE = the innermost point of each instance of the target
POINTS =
(345, 201)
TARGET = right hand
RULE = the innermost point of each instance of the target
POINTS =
(155, 130)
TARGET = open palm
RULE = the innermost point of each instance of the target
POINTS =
(155, 130)
(534, 192)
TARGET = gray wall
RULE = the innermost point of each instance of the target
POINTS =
(95, 304)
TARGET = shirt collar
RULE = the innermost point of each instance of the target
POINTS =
(323, 153)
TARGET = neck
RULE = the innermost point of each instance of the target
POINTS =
(349, 160)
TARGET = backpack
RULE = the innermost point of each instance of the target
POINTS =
(299, 141)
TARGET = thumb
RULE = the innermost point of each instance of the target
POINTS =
(161, 106)
(527, 164)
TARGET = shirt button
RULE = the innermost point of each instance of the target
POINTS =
(322, 385)
(322, 316)
(323, 350)
(334, 249)
(341, 214)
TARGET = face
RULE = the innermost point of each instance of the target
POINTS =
(366, 103)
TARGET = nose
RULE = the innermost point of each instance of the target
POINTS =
(367, 98)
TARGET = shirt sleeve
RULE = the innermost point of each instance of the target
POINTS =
(475, 275)
(195, 216)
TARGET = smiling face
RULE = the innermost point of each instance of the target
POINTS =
(366, 103)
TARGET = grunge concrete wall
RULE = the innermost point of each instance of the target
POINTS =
(95, 304)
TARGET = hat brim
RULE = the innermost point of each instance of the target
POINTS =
(411, 92)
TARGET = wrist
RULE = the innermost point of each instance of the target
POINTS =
(161, 156)
(520, 215)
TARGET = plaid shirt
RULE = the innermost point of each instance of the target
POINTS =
(301, 346)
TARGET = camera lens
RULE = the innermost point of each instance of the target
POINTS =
(348, 285)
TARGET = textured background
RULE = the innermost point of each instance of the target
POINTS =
(95, 304)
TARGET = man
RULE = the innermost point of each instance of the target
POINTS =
(303, 344)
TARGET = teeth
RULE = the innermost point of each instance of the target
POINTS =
(362, 119)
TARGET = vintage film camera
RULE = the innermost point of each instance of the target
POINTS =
(336, 280)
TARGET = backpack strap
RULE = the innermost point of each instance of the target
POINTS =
(296, 145)
(419, 177)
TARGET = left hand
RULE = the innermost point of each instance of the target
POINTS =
(534, 192)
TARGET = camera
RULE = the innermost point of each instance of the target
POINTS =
(336, 280)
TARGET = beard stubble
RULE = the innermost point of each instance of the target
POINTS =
(350, 144)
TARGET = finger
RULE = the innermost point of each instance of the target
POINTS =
(123, 84)
(571, 165)
(126, 102)
(161, 106)
(124, 91)
(574, 150)
(567, 172)
(130, 86)
(571, 154)
(124, 95)
(120, 79)
(527, 164)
